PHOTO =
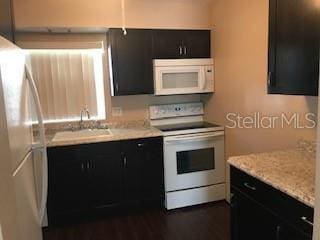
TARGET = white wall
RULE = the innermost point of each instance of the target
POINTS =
(107, 13)
(240, 51)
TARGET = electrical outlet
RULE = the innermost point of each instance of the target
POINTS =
(117, 111)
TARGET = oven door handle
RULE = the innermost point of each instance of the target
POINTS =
(184, 138)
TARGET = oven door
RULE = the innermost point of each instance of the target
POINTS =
(194, 160)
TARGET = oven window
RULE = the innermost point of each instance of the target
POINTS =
(195, 160)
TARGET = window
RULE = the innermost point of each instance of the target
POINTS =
(195, 160)
(68, 80)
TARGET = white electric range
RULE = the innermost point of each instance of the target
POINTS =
(194, 163)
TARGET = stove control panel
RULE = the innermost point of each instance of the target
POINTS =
(176, 110)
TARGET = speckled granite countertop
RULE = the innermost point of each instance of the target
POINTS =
(120, 131)
(291, 171)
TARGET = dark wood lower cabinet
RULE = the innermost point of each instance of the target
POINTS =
(259, 212)
(95, 179)
(287, 232)
(252, 221)
(104, 180)
(82, 179)
(143, 171)
(68, 182)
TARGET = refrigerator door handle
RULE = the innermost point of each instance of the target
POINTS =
(17, 170)
(42, 145)
(37, 146)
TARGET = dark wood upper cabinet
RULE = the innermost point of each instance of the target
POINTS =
(198, 44)
(131, 62)
(6, 23)
(173, 44)
(131, 55)
(167, 44)
(293, 47)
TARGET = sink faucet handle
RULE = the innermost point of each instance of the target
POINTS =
(88, 114)
(86, 111)
(70, 126)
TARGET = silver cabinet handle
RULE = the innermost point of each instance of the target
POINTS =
(180, 50)
(269, 78)
(247, 185)
(88, 165)
(124, 161)
(141, 144)
(82, 167)
(305, 219)
(185, 50)
(278, 232)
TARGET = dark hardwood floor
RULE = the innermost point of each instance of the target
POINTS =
(204, 222)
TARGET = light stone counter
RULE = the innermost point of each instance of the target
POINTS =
(291, 171)
(120, 131)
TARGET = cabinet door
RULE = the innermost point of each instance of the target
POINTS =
(168, 44)
(105, 174)
(143, 166)
(293, 47)
(131, 62)
(6, 26)
(251, 221)
(197, 44)
(287, 232)
(68, 189)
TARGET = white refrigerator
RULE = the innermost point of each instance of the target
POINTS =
(23, 163)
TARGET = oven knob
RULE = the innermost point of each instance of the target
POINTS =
(194, 109)
(198, 109)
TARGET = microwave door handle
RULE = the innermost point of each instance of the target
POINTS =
(202, 79)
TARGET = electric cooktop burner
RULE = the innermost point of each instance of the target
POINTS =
(186, 126)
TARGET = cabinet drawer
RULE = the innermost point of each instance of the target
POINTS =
(289, 209)
(143, 143)
(82, 152)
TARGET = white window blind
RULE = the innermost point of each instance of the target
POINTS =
(68, 80)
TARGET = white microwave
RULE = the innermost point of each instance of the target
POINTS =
(183, 76)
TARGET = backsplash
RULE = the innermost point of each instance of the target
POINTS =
(52, 128)
(137, 107)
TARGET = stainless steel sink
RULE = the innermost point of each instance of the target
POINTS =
(81, 134)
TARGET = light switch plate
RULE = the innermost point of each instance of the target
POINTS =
(117, 111)
(1, 236)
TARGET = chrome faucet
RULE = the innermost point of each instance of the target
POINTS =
(86, 111)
